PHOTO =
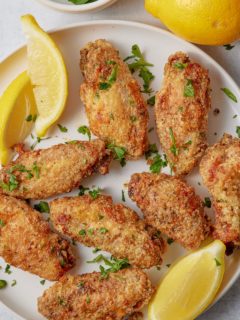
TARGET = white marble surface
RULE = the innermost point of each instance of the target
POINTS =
(11, 37)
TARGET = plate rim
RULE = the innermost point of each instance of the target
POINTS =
(149, 27)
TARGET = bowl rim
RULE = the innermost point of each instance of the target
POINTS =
(77, 8)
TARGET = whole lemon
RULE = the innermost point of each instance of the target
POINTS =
(210, 22)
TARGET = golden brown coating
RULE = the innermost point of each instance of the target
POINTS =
(27, 242)
(115, 107)
(110, 227)
(171, 206)
(220, 171)
(181, 110)
(90, 297)
(43, 173)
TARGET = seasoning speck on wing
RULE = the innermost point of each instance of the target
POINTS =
(27, 242)
(181, 110)
(43, 173)
(171, 206)
(90, 297)
(220, 170)
(111, 227)
(115, 107)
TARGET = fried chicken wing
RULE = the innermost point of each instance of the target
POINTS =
(27, 242)
(90, 297)
(181, 110)
(115, 107)
(43, 173)
(111, 227)
(220, 171)
(171, 206)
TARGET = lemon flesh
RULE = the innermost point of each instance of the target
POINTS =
(190, 285)
(200, 21)
(48, 74)
(16, 104)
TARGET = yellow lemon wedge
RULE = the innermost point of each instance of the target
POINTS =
(17, 110)
(48, 74)
(190, 285)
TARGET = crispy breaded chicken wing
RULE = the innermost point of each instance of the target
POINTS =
(171, 206)
(115, 107)
(89, 297)
(27, 242)
(43, 173)
(111, 227)
(181, 110)
(220, 171)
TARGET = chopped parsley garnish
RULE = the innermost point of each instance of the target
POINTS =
(110, 80)
(119, 153)
(61, 301)
(168, 265)
(62, 128)
(228, 47)
(133, 118)
(103, 230)
(14, 282)
(82, 232)
(150, 129)
(173, 148)
(158, 163)
(38, 140)
(170, 241)
(7, 269)
(189, 89)
(36, 169)
(2, 224)
(238, 131)
(113, 264)
(90, 231)
(151, 101)
(96, 250)
(42, 282)
(180, 65)
(81, 1)
(3, 283)
(88, 300)
(235, 116)
(81, 284)
(42, 206)
(123, 196)
(141, 65)
(207, 202)
(218, 264)
(230, 95)
(85, 130)
(82, 190)
(95, 193)
(31, 117)
(152, 149)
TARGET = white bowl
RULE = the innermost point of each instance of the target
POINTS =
(67, 6)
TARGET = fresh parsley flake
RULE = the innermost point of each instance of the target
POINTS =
(78, 2)
(95, 193)
(238, 131)
(36, 170)
(235, 116)
(170, 241)
(82, 232)
(7, 269)
(207, 202)
(168, 265)
(140, 64)
(152, 149)
(189, 89)
(62, 128)
(150, 129)
(119, 153)
(2, 224)
(133, 118)
(82, 190)
(14, 282)
(158, 163)
(218, 264)
(31, 117)
(230, 95)
(151, 101)
(42, 206)
(88, 300)
(103, 230)
(228, 47)
(3, 284)
(173, 148)
(81, 284)
(42, 282)
(110, 80)
(96, 250)
(180, 65)
(85, 130)
(123, 196)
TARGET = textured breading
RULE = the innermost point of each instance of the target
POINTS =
(220, 170)
(43, 173)
(171, 206)
(27, 242)
(181, 120)
(117, 114)
(111, 227)
(88, 297)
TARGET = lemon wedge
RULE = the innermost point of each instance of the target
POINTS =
(190, 285)
(16, 105)
(47, 72)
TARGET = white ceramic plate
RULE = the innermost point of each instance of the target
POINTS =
(157, 45)
(67, 6)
